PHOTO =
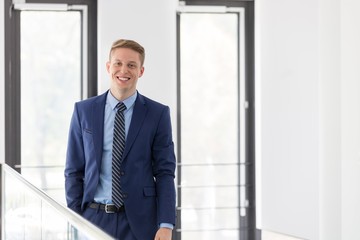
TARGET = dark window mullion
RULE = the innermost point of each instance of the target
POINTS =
(12, 86)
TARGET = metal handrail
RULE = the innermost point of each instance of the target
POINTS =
(73, 218)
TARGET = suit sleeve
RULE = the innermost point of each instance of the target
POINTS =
(74, 167)
(164, 165)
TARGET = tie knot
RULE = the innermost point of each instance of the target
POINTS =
(121, 107)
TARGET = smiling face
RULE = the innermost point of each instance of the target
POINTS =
(124, 68)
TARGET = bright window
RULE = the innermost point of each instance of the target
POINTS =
(209, 100)
(51, 82)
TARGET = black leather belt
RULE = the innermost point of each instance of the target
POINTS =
(108, 208)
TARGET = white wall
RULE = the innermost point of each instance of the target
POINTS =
(350, 118)
(330, 120)
(152, 24)
(308, 154)
(289, 116)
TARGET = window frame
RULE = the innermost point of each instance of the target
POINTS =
(247, 222)
(13, 73)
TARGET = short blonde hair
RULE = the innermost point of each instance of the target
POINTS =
(125, 43)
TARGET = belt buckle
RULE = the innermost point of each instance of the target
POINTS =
(107, 206)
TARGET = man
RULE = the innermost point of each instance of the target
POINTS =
(138, 202)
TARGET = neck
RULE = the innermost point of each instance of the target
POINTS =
(121, 95)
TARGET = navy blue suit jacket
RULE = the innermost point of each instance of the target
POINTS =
(148, 162)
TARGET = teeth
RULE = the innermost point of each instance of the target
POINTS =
(123, 78)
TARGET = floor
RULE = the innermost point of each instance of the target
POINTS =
(266, 235)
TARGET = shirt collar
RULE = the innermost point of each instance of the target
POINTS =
(128, 102)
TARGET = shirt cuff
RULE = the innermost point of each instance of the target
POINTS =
(166, 225)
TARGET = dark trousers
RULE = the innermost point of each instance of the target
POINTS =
(115, 224)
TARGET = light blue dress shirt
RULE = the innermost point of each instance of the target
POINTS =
(103, 191)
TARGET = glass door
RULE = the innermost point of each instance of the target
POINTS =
(51, 81)
(210, 168)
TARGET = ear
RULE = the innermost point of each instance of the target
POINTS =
(142, 69)
(108, 66)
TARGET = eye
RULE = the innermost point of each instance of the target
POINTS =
(131, 65)
(117, 63)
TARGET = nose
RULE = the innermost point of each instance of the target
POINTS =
(123, 69)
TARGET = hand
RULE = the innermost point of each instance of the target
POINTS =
(163, 234)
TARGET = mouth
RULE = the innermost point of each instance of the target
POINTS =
(123, 78)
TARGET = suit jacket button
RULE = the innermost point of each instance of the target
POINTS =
(122, 173)
(125, 195)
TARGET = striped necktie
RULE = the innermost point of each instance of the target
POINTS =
(117, 151)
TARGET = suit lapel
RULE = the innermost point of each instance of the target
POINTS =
(137, 120)
(98, 126)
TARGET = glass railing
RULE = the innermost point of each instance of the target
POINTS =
(29, 213)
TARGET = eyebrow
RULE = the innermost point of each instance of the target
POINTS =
(118, 60)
